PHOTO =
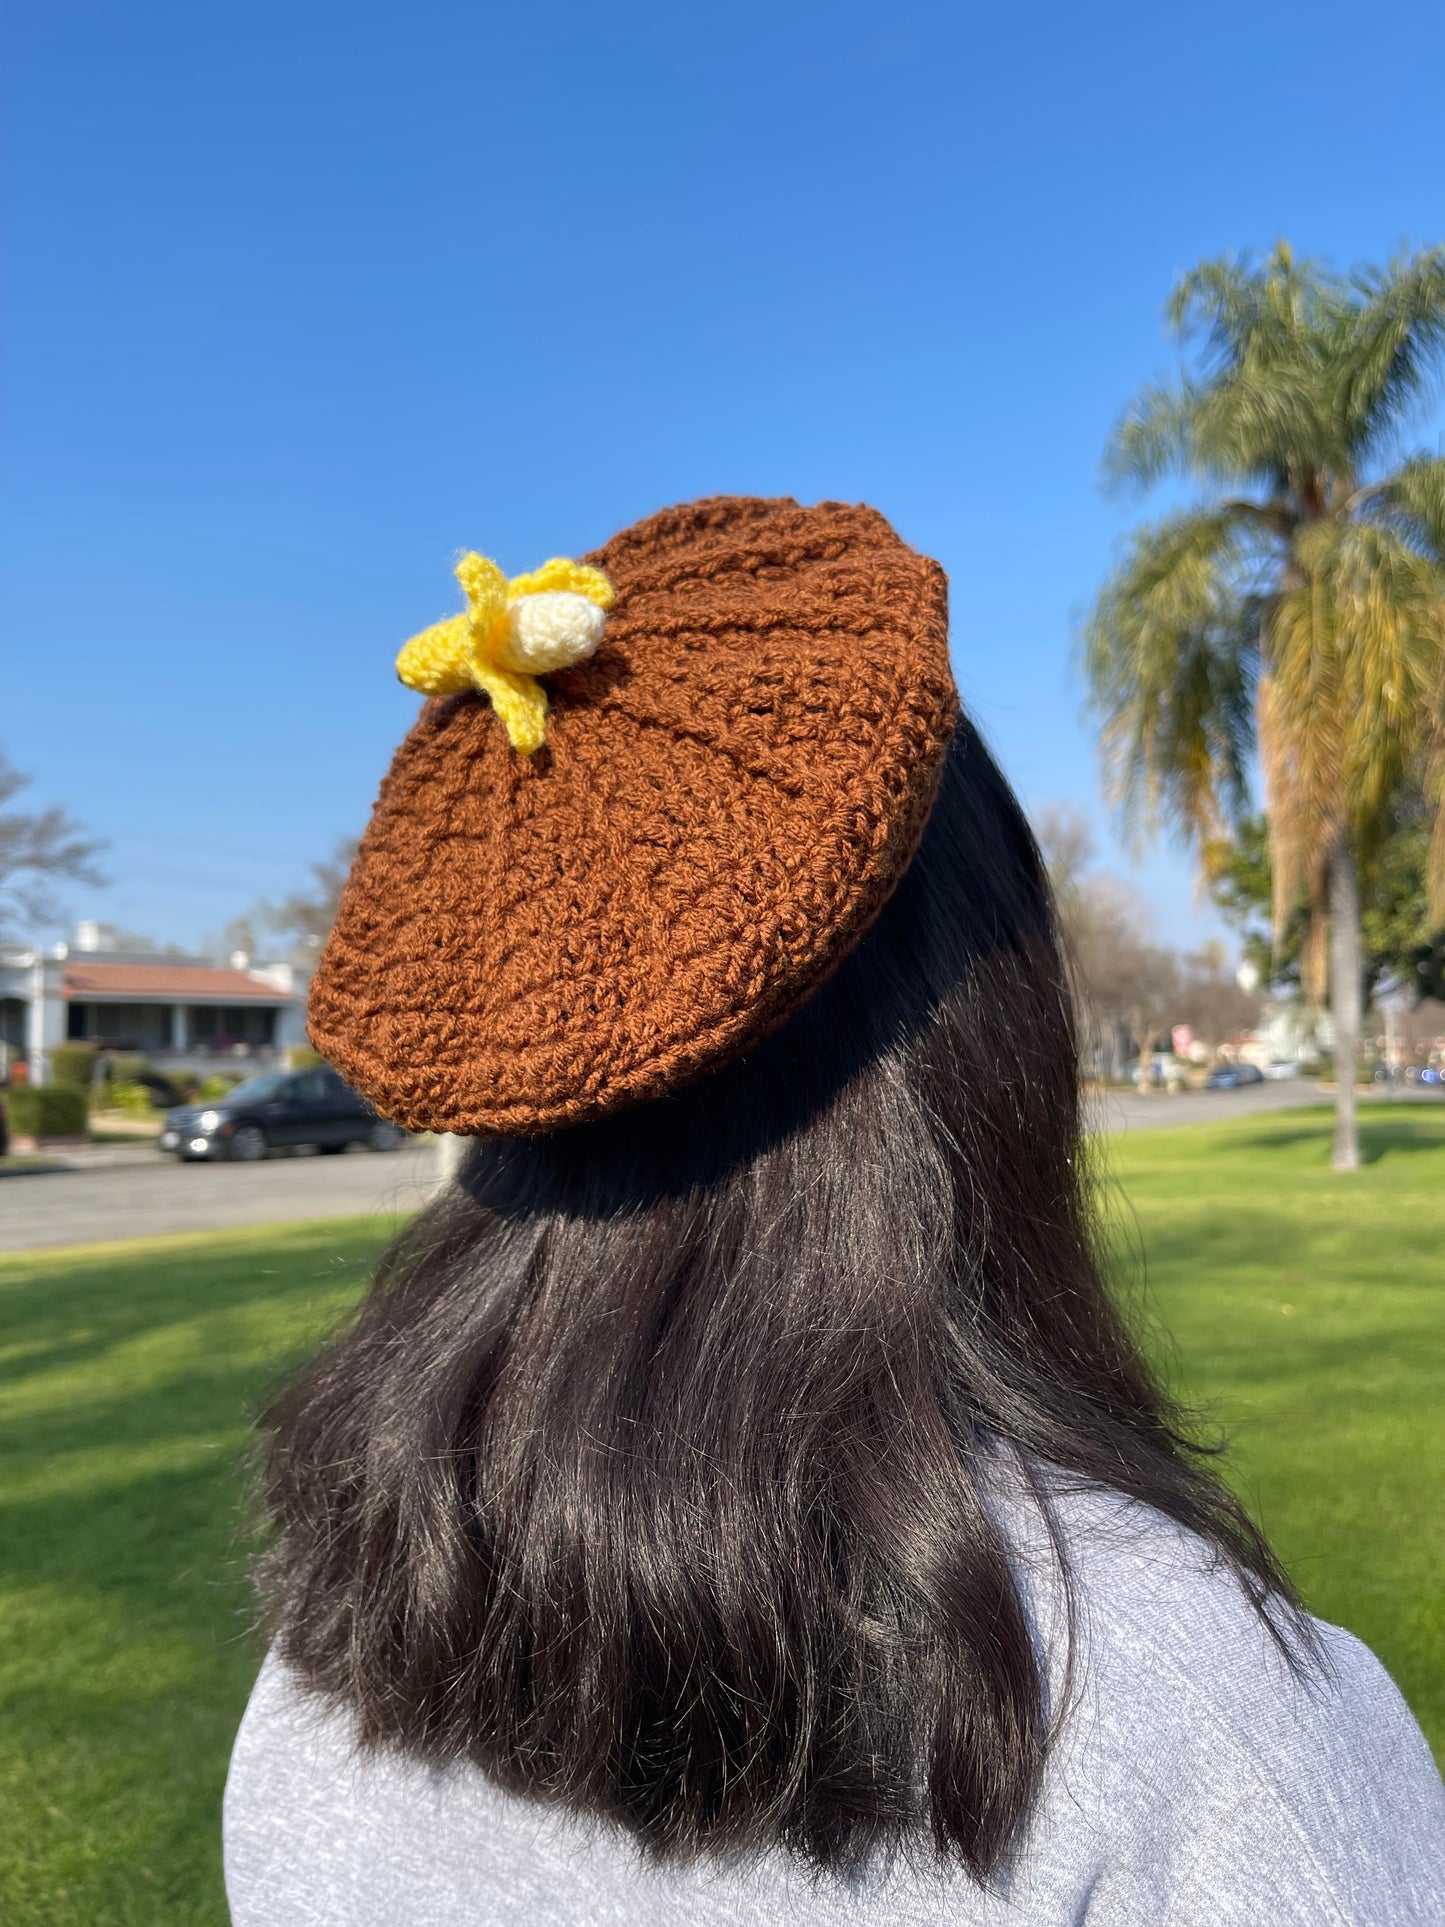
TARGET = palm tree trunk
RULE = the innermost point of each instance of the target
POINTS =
(1345, 998)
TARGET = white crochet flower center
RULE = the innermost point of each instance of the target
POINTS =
(551, 630)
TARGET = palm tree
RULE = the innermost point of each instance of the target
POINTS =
(1294, 617)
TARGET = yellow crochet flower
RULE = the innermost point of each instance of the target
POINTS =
(510, 634)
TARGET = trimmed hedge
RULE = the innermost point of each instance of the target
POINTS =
(72, 1064)
(46, 1110)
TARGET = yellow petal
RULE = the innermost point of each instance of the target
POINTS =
(520, 703)
(559, 573)
(485, 587)
(438, 662)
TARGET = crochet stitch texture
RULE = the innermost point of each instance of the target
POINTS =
(729, 791)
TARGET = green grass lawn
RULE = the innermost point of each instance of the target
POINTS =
(1303, 1313)
(125, 1371)
(1302, 1309)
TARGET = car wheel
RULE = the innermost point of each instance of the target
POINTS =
(249, 1143)
(385, 1137)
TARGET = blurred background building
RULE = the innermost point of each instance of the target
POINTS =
(181, 1012)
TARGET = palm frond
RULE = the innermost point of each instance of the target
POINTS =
(1233, 302)
(1170, 653)
(1315, 951)
(1223, 301)
(1393, 351)
(1300, 732)
(1435, 859)
(1270, 421)
(1155, 435)
(1391, 614)
(1355, 659)
(1263, 407)
(1412, 503)
(1280, 828)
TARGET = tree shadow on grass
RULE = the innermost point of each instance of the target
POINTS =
(157, 1548)
(62, 1318)
(1194, 1246)
(1383, 1132)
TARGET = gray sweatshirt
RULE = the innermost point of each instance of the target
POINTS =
(1195, 1782)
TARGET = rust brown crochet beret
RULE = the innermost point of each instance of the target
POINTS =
(728, 791)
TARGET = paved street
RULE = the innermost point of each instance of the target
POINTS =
(1128, 1111)
(139, 1193)
(133, 1192)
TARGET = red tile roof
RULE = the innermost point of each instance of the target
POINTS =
(169, 983)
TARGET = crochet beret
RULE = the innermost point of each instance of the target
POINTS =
(553, 917)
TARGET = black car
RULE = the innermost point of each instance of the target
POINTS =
(279, 1108)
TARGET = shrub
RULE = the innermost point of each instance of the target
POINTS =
(134, 1100)
(218, 1084)
(46, 1110)
(170, 1087)
(129, 1067)
(72, 1065)
(301, 1057)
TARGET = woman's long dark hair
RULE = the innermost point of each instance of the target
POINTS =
(653, 1476)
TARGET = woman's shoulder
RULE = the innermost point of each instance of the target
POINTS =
(1227, 1737)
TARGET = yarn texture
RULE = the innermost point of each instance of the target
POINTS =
(730, 789)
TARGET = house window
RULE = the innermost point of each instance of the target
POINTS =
(143, 1027)
(219, 1026)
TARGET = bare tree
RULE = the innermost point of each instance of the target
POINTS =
(37, 849)
(1066, 839)
(1210, 1001)
(1130, 991)
(1129, 984)
(308, 914)
(1066, 843)
(240, 934)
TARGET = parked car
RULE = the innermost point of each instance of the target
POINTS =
(1282, 1069)
(278, 1109)
(1229, 1077)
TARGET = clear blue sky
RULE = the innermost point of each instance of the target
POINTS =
(302, 298)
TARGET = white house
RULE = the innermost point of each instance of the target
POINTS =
(181, 1012)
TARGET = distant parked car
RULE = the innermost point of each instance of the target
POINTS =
(1285, 1068)
(1229, 1077)
(278, 1109)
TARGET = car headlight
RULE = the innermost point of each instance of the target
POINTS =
(208, 1121)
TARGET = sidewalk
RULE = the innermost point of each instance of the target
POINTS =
(78, 1157)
